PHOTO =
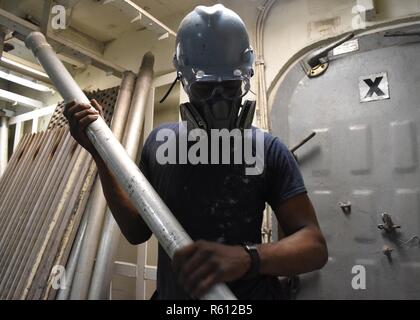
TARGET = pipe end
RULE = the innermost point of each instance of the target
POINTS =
(148, 60)
(35, 39)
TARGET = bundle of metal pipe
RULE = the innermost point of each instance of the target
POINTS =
(4, 140)
(107, 98)
(111, 234)
(42, 194)
(95, 210)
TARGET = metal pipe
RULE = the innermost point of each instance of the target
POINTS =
(30, 234)
(300, 144)
(44, 261)
(108, 247)
(4, 142)
(70, 237)
(57, 194)
(27, 195)
(5, 262)
(18, 251)
(71, 264)
(72, 242)
(96, 207)
(10, 175)
(15, 186)
(153, 210)
(111, 234)
(28, 245)
(13, 161)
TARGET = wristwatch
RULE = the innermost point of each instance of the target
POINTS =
(254, 268)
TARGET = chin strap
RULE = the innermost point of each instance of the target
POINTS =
(192, 117)
(170, 89)
(195, 120)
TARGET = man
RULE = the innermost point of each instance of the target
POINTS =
(220, 206)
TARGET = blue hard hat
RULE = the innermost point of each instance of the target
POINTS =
(212, 44)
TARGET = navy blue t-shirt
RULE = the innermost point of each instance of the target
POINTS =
(221, 203)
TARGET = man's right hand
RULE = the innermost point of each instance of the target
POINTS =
(79, 117)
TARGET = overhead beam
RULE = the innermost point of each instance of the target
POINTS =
(24, 82)
(23, 67)
(32, 114)
(84, 40)
(138, 14)
(46, 16)
(24, 27)
(7, 113)
(19, 99)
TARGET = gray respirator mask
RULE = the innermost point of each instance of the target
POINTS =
(218, 107)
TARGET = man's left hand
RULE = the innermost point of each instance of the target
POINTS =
(203, 264)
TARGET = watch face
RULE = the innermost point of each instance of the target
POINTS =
(249, 245)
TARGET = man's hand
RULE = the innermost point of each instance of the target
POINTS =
(79, 117)
(203, 264)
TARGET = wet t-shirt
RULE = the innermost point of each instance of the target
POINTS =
(220, 202)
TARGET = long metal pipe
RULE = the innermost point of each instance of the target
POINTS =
(22, 204)
(72, 240)
(153, 210)
(111, 234)
(9, 178)
(7, 261)
(41, 212)
(96, 206)
(16, 185)
(51, 209)
(108, 247)
(13, 161)
(63, 211)
(28, 244)
(4, 141)
(71, 264)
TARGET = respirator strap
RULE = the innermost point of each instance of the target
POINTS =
(246, 116)
(192, 117)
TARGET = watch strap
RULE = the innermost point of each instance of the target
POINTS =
(254, 268)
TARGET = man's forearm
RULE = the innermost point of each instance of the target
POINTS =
(301, 252)
(131, 224)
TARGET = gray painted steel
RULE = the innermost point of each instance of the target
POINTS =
(363, 153)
